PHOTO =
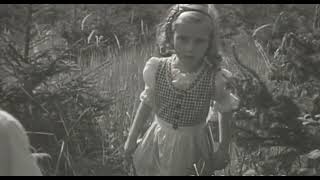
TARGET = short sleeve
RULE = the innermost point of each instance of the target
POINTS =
(149, 77)
(20, 160)
(225, 100)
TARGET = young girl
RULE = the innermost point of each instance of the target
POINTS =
(15, 157)
(179, 89)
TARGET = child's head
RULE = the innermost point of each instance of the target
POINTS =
(190, 31)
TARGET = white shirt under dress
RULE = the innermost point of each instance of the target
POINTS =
(15, 156)
(165, 150)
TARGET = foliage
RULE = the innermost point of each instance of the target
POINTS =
(280, 120)
(53, 101)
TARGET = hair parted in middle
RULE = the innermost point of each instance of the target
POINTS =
(197, 13)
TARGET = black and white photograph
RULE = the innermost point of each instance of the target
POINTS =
(159, 89)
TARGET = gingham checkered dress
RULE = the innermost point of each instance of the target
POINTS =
(178, 136)
(183, 107)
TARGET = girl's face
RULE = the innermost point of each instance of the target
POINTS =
(191, 41)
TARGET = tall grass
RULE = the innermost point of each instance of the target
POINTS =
(124, 81)
(118, 74)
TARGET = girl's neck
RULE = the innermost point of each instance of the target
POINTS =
(188, 68)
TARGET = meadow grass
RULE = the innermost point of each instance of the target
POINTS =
(118, 75)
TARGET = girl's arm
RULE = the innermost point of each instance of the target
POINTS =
(224, 130)
(221, 156)
(143, 113)
(145, 107)
(225, 102)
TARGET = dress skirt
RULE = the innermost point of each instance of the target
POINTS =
(165, 151)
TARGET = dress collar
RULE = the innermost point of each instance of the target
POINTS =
(176, 67)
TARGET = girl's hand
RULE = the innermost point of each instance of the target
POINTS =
(129, 147)
(221, 159)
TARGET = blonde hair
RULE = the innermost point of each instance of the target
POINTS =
(197, 13)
